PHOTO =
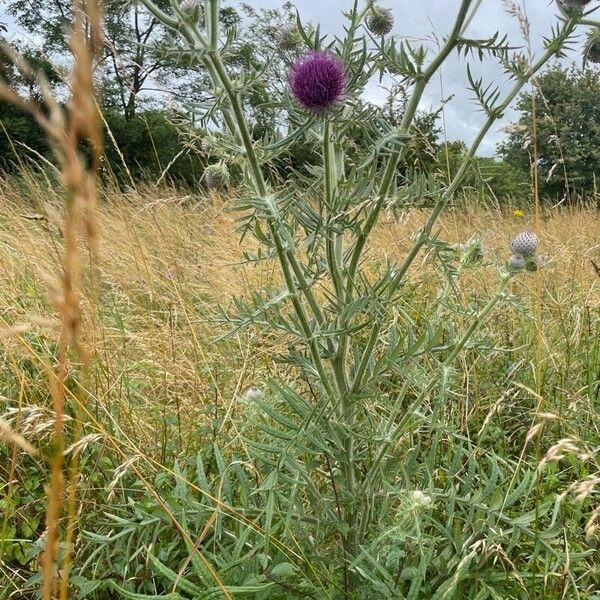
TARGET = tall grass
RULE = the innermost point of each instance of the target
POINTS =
(160, 387)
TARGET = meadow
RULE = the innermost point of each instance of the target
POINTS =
(337, 369)
(161, 390)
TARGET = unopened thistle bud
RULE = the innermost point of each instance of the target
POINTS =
(516, 262)
(206, 144)
(572, 6)
(288, 38)
(190, 10)
(592, 46)
(524, 244)
(318, 81)
(380, 21)
(535, 263)
(216, 177)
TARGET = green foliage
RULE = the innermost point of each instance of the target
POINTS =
(486, 176)
(567, 132)
(150, 144)
(21, 138)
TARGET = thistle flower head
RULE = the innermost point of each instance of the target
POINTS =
(216, 176)
(318, 81)
(380, 21)
(288, 38)
(592, 46)
(524, 244)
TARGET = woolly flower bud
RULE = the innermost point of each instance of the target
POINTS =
(216, 176)
(592, 46)
(206, 144)
(288, 38)
(191, 10)
(524, 244)
(380, 21)
(572, 6)
(318, 81)
(252, 392)
(516, 263)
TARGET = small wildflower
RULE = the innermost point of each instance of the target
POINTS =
(318, 81)
(380, 21)
(524, 244)
(216, 176)
(518, 213)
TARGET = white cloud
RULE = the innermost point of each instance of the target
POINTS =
(428, 20)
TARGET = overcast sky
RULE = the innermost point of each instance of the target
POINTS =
(421, 18)
(425, 19)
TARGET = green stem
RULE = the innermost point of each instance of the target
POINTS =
(407, 120)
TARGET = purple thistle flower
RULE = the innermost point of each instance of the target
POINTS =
(318, 81)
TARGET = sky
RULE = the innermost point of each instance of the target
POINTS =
(421, 19)
(425, 20)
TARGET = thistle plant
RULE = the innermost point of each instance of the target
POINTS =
(336, 468)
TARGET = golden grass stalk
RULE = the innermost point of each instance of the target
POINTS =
(66, 129)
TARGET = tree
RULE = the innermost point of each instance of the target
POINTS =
(135, 51)
(567, 119)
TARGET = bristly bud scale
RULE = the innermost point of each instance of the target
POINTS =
(288, 38)
(318, 81)
(525, 243)
(591, 52)
(216, 177)
(380, 21)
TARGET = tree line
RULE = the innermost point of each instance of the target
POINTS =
(152, 96)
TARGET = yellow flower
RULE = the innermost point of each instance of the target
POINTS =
(518, 213)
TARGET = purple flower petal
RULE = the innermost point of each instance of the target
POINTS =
(318, 81)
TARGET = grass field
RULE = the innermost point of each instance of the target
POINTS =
(159, 387)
